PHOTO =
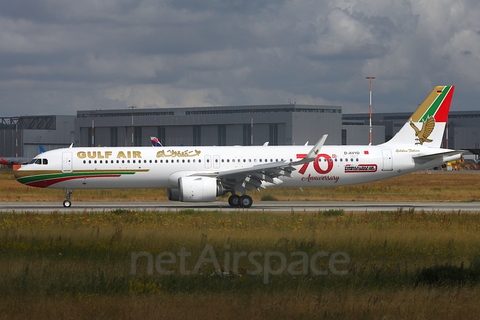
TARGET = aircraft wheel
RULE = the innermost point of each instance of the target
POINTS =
(246, 201)
(234, 200)
(67, 203)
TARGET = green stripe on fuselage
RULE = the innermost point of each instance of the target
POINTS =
(58, 175)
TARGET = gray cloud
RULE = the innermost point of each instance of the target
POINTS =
(58, 57)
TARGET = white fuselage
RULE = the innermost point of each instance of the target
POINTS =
(149, 167)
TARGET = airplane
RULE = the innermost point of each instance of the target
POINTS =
(201, 174)
(10, 161)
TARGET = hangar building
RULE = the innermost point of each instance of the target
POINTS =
(287, 124)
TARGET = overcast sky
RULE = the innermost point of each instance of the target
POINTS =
(58, 56)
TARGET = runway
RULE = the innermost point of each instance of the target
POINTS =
(262, 206)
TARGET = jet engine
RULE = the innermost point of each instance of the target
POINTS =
(196, 189)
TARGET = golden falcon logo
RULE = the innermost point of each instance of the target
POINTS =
(424, 133)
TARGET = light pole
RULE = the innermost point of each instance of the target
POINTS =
(370, 78)
(132, 107)
(93, 129)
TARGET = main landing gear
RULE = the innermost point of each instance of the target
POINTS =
(236, 201)
(67, 203)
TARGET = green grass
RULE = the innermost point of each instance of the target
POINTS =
(92, 253)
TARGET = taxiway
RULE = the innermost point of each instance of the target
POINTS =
(264, 206)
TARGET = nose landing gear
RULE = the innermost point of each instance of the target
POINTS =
(67, 203)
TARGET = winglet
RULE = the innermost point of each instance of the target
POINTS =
(312, 154)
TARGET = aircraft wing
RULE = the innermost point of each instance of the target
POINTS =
(253, 177)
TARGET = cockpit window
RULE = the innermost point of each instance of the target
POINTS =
(38, 161)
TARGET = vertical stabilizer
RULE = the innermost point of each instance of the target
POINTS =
(427, 124)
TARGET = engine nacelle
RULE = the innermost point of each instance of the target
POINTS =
(199, 189)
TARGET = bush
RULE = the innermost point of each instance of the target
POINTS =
(447, 275)
(268, 197)
(332, 213)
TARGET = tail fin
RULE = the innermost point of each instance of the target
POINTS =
(427, 125)
(155, 142)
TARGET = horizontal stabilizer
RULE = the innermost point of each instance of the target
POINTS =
(435, 155)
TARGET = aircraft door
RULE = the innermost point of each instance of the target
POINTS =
(67, 162)
(387, 160)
